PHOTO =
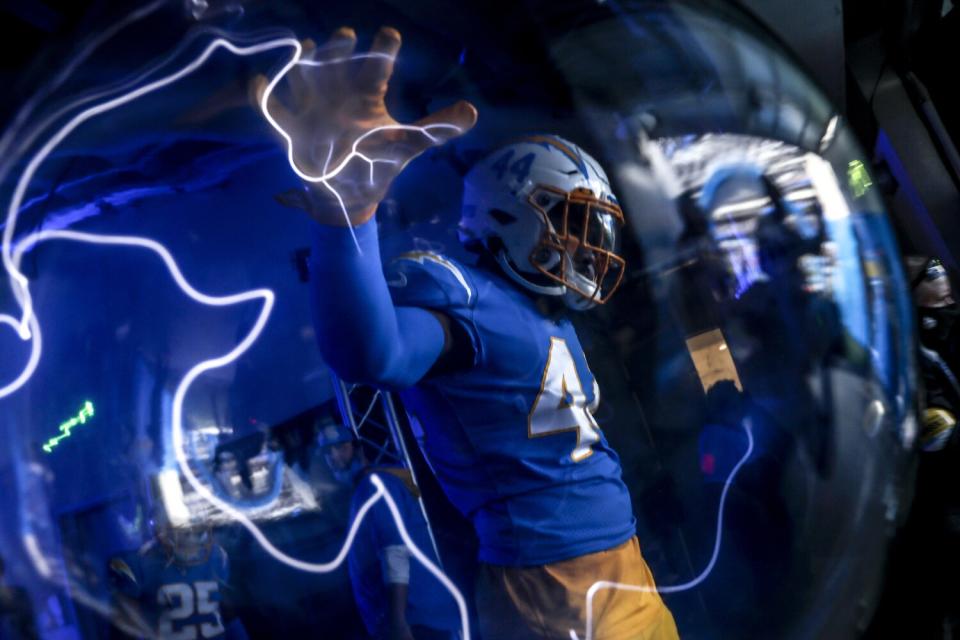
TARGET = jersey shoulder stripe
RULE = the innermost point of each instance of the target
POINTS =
(431, 280)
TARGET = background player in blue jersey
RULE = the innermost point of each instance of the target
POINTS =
(173, 587)
(397, 597)
(482, 354)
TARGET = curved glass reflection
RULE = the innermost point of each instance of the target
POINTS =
(181, 459)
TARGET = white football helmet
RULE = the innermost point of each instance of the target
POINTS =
(186, 537)
(544, 209)
(186, 544)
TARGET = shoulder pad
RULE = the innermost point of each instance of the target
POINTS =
(429, 280)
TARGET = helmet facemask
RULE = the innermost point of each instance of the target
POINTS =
(578, 248)
(187, 545)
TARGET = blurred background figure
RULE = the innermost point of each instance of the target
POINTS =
(16, 611)
(734, 427)
(397, 596)
(794, 331)
(175, 585)
(926, 555)
(937, 315)
(344, 459)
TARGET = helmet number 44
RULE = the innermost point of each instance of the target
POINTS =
(561, 405)
(519, 169)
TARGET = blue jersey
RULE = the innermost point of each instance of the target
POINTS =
(512, 439)
(181, 602)
(429, 604)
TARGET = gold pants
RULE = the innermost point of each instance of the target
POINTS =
(546, 602)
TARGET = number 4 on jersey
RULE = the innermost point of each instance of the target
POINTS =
(561, 404)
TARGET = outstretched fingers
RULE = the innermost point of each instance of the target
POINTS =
(331, 63)
(443, 125)
(275, 109)
(377, 68)
(299, 75)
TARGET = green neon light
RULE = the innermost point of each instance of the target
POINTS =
(858, 178)
(85, 412)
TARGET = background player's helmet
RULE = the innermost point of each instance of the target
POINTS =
(544, 208)
(186, 537)
(187, 544)
(929, 282)
(341, 451)
(330, 433)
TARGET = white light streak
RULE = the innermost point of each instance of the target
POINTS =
(17, 280)
(753, 205)
(419, 555)
(801, 194)
(784, 164)
(329, 174)
(690, 584)
(307, 62)
(28, 329)
(829, 134)
(171, 497)
(36, 556)
(74, 61)
(267, 298)
(827, 188)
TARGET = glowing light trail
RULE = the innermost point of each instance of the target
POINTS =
(685, 586)
(74, 62)
(27, 326)
(328, 174)
(25, 141)
(64, 429)
(267, 298)
(17, 280)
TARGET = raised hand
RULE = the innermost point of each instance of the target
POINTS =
(343, 142)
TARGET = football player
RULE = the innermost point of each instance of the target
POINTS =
(482, 354)
(398, 598)
(172, 588)
(939, 364)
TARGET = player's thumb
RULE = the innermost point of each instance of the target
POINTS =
(447, 123)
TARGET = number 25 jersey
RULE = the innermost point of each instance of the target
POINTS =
(512, 439)
(182, 601)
